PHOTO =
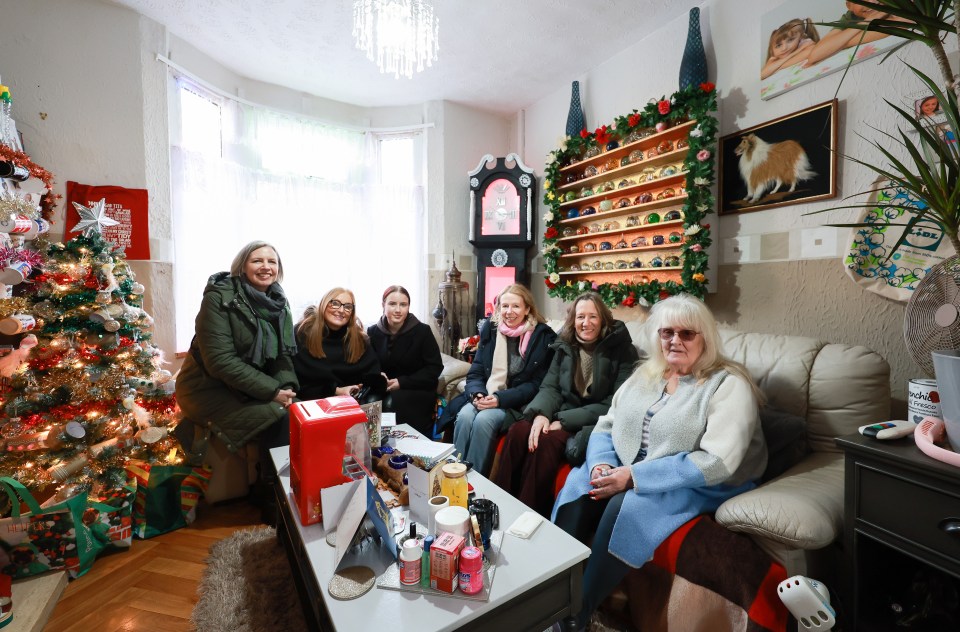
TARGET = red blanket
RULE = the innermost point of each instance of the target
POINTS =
(704, 577)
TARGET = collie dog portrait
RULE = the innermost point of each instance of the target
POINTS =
(764, 165)
(788, 160)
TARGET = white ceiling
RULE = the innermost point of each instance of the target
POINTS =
(499, 55)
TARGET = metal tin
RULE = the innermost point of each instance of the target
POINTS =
(923, 400)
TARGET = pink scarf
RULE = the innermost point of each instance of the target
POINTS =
(524, 330)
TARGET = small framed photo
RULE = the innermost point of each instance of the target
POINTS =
(927, 107)
(789, 160)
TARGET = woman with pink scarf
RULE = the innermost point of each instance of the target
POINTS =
(512, 359)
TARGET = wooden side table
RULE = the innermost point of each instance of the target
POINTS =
(901, 533)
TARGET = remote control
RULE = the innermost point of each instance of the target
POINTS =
(888, 429)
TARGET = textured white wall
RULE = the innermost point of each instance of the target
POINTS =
(783, 293)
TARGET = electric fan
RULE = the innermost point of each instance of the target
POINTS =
(932, 318)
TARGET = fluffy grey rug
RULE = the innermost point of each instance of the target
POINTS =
(248, 587)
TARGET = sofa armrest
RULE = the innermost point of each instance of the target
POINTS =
(453, 374)
(802, 508)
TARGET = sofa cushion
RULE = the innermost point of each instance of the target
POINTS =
(802, 508)
(849, 388)
(786, 437)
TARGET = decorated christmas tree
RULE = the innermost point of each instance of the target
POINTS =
(84, 390)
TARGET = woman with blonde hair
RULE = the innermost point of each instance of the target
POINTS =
(512, 358)
(334, 356)
(682, 436)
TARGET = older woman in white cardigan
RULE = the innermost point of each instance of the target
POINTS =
(682, 435)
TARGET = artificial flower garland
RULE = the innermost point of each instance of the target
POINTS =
(694, 103)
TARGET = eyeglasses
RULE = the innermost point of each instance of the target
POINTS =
(686, 335)
(347, 307)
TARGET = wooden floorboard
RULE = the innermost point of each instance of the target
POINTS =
(152, 587)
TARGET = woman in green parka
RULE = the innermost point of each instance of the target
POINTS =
(593, 356)
(238, 378)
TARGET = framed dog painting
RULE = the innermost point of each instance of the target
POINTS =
(789, 160)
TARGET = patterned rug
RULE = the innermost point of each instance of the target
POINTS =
(248, 587)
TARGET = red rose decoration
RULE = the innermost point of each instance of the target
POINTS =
(633, 120)
(551, 233)
(629, 301)
(664, 107)
(602, 137)
(707, 86)
(584, 133)
(664, 294)
(548, 283)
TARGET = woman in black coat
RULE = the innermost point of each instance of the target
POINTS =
(333, 354)
(512, 358)
(409, 359)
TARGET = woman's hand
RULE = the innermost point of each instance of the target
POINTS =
(392, 385)
(284, 397)
(485, 402)
(541, 425)
(349, 390)
(610, 481)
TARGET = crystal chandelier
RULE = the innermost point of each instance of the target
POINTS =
(403, 33)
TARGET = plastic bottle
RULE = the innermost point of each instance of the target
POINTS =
(410, 556)
(471, 570)
(425, 562)
(454, 484)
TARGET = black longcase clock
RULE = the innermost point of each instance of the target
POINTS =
(502, 225)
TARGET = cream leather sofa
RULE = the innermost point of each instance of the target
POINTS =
(836, 388)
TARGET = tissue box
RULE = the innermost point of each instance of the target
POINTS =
(444, 555)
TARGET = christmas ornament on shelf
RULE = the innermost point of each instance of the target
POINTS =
(85, 390)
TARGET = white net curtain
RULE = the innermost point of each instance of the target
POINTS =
(343, 207)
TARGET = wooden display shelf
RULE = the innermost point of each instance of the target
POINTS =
(675, 156)
(632, 275)
(673, 133)
(676, 180)
(643, 227)
(595, 253)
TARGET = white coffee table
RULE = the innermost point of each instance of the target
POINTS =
(537, 582)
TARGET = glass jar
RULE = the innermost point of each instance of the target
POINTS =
(653, 218)
(673, 261)
(632, 220)
(658, 240)
(625, 161)
(671, 216)
(454, 484)
(643, 198)
(623, 203)
(675, 237)
(588, 211)
(590, 171)
(589, 247)
(656, 262)
(666, 193)
(635, 156)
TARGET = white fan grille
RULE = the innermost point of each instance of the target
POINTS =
(932, 319)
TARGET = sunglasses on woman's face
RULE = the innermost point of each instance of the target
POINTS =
(686, 335)
(347, 307)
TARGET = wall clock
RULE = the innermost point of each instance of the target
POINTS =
(501, 225)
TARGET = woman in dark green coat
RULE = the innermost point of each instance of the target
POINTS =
(593, 356)
(238, 379)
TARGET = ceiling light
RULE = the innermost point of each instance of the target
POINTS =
(403, 33)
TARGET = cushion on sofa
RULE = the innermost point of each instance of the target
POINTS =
(802, 508)
(786, 437)
(849, 387)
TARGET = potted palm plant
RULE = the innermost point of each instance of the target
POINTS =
(921, 163)
(928, 169)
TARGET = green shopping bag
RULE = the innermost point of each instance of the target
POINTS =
(109, 516)
(167, 496)
(46, 537)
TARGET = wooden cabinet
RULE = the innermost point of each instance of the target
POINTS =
(901, 537)
(633, 229)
